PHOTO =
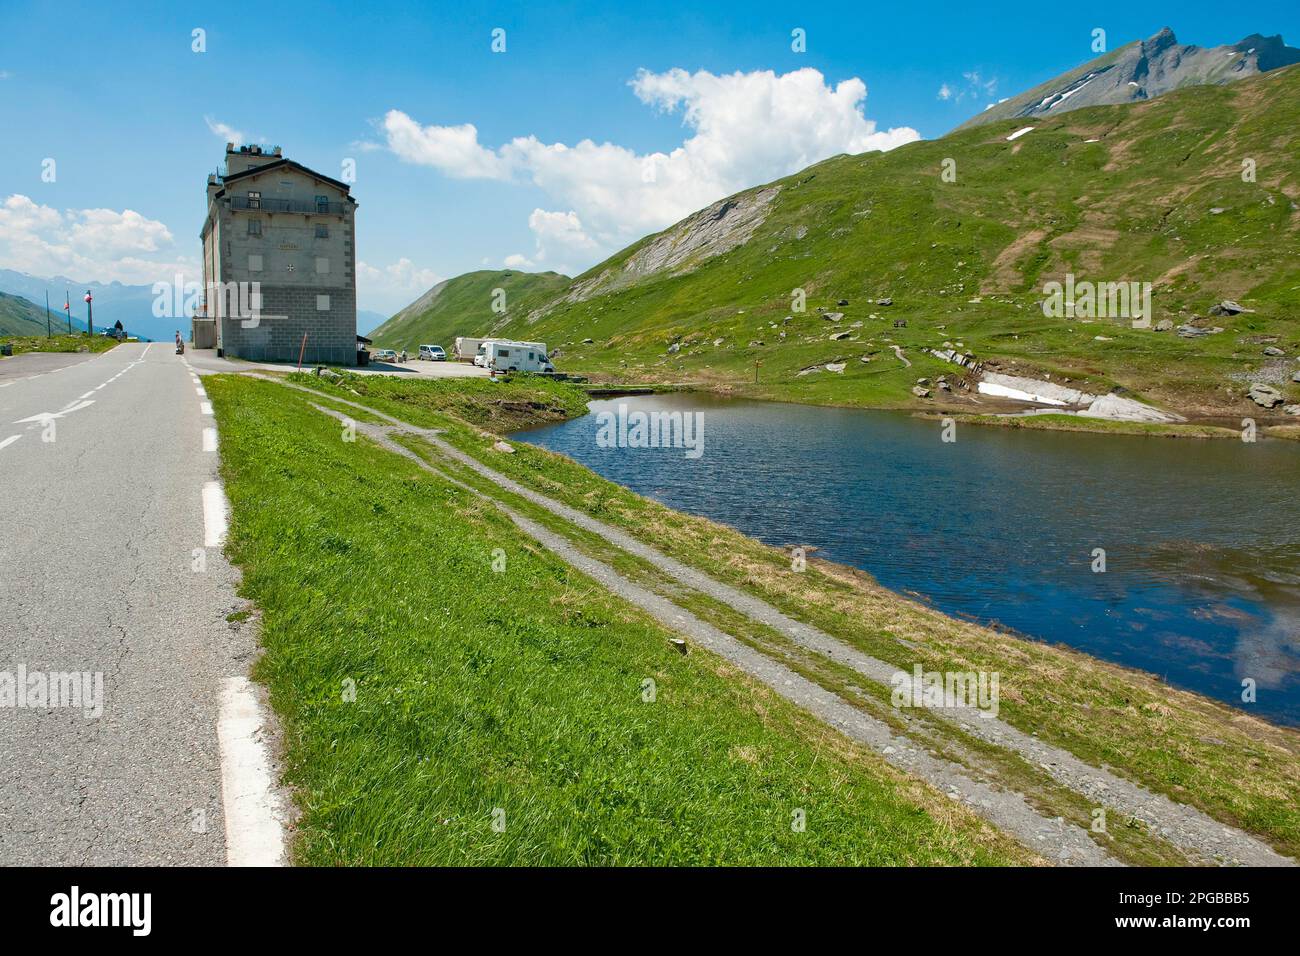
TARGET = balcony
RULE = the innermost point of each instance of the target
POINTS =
(270, 204)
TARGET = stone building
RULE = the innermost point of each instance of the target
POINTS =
(279, 262)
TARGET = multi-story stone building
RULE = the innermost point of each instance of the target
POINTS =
(277, 228)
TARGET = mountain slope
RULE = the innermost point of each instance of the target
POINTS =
(1143, 70)
(1150, 192)
(20, 317)
(465, 306)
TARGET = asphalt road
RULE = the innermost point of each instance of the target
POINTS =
(104, 571)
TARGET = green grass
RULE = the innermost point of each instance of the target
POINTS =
(519, 690)
(59, 343)
(501, 405)
(966, 262)
(469, 304)
(1236, 768)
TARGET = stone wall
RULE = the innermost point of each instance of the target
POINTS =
(289, 312)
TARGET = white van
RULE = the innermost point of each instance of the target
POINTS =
(502, 355)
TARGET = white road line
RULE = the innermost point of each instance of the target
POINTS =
(214, 515)
(254, 836)
(88, 394)
(5, 384)
(209, 439)
(9, 441)
(199, 392)
(205, 408)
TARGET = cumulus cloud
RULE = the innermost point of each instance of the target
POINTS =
(95, 244)
(391, 287)
(742, 129)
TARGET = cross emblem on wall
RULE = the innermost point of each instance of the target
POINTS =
(291, 267)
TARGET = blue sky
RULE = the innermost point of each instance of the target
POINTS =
(114, 93)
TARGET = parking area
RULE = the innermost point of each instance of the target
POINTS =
(206, 360)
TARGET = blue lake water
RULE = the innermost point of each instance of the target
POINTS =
(1201, 538)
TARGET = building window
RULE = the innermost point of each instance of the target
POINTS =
(254, 263)
(322, 232)
(322, 203)
(322, 266)
(254, 227)
(254, 200)
(322, 303)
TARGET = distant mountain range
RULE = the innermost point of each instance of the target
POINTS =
(132, 305)
(1143, 70)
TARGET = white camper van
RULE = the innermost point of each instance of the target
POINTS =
(503, 355)
(466, 348)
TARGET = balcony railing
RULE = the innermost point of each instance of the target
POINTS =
(269, 204)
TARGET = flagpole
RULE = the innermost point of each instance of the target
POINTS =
(67, 307)
(49, 334)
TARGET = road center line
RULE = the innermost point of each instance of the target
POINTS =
(9, 441)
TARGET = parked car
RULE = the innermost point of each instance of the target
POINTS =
(384, 355)
(433, 353)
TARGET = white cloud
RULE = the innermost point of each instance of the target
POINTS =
(744, 129)
(228, 133)
(389, 288)
(973, 87)
(92, 244)
(454, 150)
(560, 241)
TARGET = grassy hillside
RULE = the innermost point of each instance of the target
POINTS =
(18, 316)
(464, 306)
(1149, 192)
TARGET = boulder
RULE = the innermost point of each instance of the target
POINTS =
(839, 336)
(900, 323)
(1273, 351)
(920, 392)
(1165, 325)
(1228, 307)
(586, 341)
(1265, 396)
(842, 303)
(885, 301)
(505, 447)
(1291, 409)
(1295, 377)
(835, 366)
(833, 316)
(674, 348)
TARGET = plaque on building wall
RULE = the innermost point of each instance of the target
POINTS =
(288, 246)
